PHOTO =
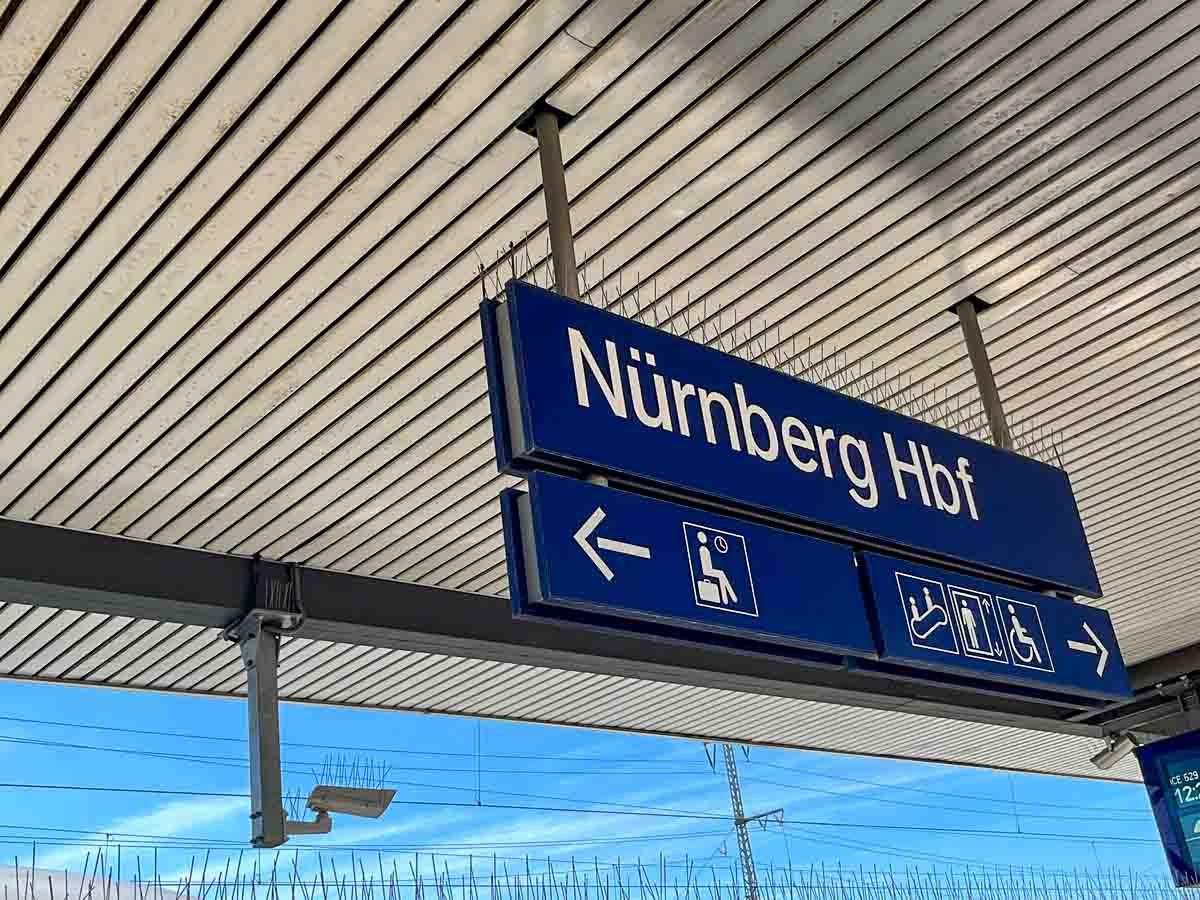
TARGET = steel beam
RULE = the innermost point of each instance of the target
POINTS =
(91, 572)
(968, 318)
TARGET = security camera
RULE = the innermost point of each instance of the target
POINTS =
(367, 802)
(1118, 748)
(326, 798)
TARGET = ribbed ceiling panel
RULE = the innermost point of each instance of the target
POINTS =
(240, 266)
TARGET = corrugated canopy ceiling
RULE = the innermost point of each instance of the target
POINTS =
(240, 252)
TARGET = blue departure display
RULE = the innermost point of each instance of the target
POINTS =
(1171, 769)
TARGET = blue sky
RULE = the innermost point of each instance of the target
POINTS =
(541, 793)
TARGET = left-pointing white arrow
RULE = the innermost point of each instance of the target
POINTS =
(1095, 648)
(585, 532)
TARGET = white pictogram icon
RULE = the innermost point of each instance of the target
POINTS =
(1022, 624)
(977, 618)
(719, 563)
(927, 612)
(1096, 648)
(585, 531)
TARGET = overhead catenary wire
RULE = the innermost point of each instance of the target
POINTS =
(612, 812)
(195, 757)
(976, 832)
(920, 790)
(287, 769)
(293, 768)
(339, 748)
(124, 837)
(902, 852)
(184, 844)
(176, 792)
(546, 757)
(912, 803)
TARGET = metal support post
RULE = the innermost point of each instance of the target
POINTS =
(260, 656)
(749, 876)
(977, 350)
(275, 608)
(558, 206)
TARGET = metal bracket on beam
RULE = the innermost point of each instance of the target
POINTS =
(967, 311)
(1189, 711)
(1186, 694)
(1160, 670)
(1189, 706)
(277, 610)
(1167, 709)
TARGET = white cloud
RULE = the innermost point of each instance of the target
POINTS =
(811, 787)
(167, 820)
(352, 835)
(705, 794)
(461, 835)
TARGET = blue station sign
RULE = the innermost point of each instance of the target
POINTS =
(623, 556)
(934, 619)
(1171, 770)
(581, 389)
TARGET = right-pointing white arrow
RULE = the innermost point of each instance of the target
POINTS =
(1094, 648)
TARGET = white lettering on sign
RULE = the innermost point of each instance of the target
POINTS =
(746, 427)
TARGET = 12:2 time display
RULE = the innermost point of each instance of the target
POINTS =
(1185, 786)
(1186, 794)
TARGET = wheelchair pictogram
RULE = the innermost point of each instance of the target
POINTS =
(1022, 626)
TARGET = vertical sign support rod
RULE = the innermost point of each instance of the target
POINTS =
(558, 206)
(260, 656)
(968, 318)
(740, 820)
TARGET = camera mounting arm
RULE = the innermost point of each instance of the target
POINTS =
(276, 609)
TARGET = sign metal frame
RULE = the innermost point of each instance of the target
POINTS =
(565, 533)
(574, 386)
(944, 621)
(553, 363)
